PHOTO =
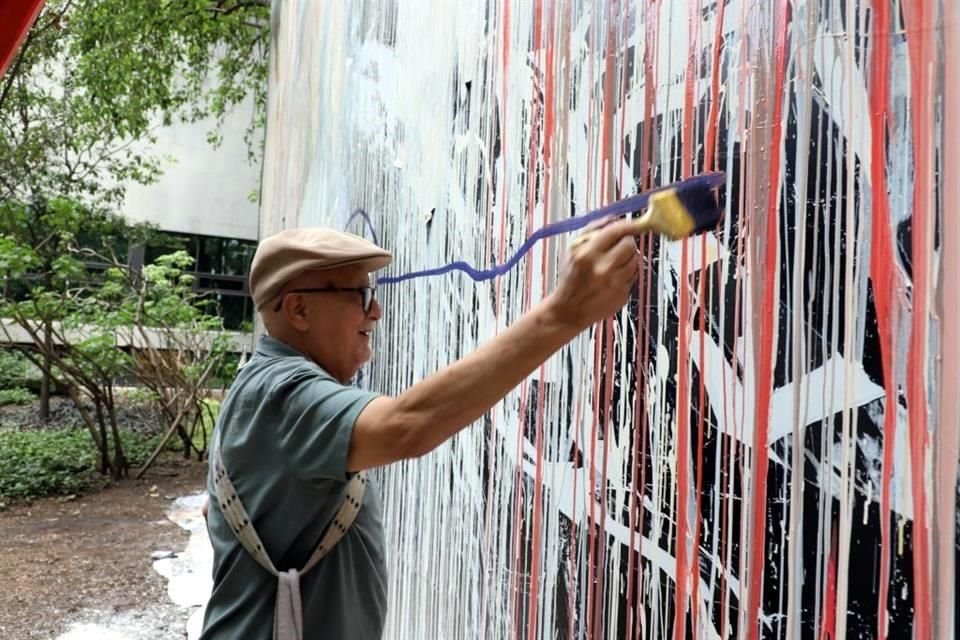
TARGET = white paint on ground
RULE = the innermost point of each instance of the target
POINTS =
(189, 584)
(190, 574)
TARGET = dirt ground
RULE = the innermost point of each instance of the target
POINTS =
(60, 558)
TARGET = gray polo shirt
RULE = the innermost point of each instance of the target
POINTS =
(285, 429)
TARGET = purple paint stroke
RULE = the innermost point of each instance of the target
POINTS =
(619, 208)
(366, 219)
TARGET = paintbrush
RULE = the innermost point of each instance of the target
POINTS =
(678, 211)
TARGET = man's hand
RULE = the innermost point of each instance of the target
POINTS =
(598, 276)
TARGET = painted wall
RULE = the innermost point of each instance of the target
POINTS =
(765, 443)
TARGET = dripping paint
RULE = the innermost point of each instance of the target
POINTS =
(764, 443)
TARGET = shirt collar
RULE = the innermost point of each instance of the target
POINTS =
(273, 348)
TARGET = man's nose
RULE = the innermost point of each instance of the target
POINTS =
(375, 310)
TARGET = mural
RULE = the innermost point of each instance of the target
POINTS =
(764, 444)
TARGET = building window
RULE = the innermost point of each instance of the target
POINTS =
(220, 266)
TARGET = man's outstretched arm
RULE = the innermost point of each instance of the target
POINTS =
(596, 283)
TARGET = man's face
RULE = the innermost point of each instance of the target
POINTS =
(337, 330)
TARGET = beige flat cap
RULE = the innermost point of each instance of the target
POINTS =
(287, 254)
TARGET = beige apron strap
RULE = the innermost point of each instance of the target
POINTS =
(235, 513)
(349, 508)
(288, 610)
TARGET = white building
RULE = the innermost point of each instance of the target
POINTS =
(204, 198)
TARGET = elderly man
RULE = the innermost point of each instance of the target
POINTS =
(296, 529)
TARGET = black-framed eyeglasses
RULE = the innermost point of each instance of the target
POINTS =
(366, 294)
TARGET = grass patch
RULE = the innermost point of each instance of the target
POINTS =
(34, 464)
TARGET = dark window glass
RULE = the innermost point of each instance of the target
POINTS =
(235, 311)
(220, 266)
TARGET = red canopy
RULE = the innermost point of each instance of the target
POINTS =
(16, 18)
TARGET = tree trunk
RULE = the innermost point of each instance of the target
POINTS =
(87, 418)
(120, 464)
(185, 441)
(163, 443)
(45, 380)
(104, 450)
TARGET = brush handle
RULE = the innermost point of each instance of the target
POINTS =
(641, 225)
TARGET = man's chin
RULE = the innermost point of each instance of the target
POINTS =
(361, 362)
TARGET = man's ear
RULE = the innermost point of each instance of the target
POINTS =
(294, 309)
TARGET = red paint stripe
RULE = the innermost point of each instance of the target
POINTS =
(682, 595)
(532, 170)
(608, 194)
(828, 620)
(710, 145)
(648, 250)
(633, 561)
(651, 22)
(947, 444)
(882, 274)
(592, 564)
(701, 415)
(921, 54)
(764, 380)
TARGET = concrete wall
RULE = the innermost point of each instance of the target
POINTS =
(203, 190)
(13, 333)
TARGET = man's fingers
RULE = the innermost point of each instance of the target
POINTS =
(627, 273)
(599, 224)
(590, 231)
(624, 252)
(598, 239)
(611, 234)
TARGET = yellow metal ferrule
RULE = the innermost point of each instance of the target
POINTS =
(668, 216)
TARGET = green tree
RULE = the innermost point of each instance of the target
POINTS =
(40, 262)
(91, 320)
(79, 108)
(178, 350)
(94, 79)
(50, 294)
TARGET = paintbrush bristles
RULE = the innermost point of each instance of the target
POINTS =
(668, 217)
(701, 203)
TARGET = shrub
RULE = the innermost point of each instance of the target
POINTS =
(17, 395)
(16, 371)
(43, 463)
(39, 463)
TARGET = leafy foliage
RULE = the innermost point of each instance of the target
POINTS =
(78, 111)
(37, 463)
(42, 463)
(16, 371)
(94, 78)
(16, 395)
(92, 320)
